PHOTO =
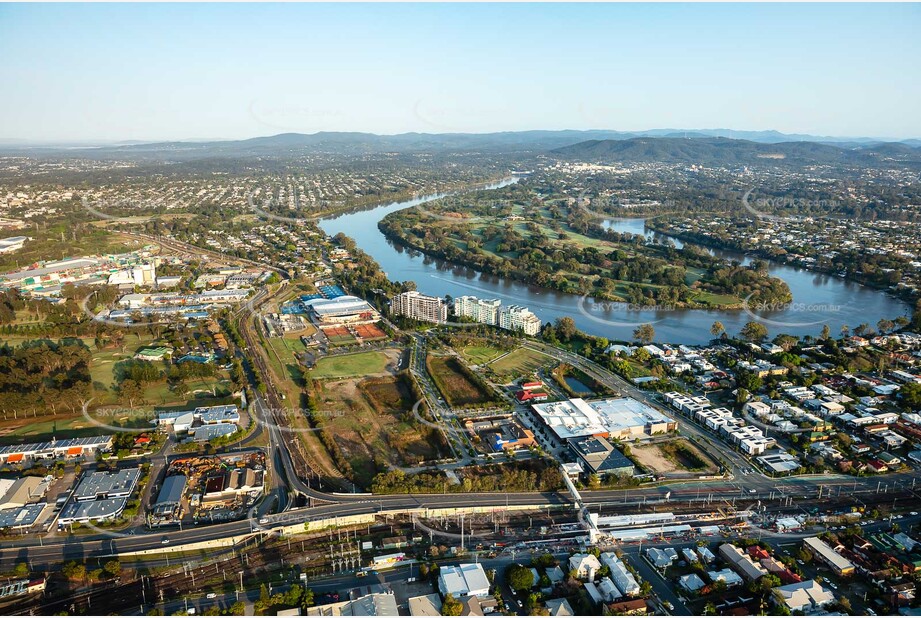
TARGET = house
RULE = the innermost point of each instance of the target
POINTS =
(807, 596)
(585, 565)
(620, 574)
(559, 607)
(727, 575)
(593, 592)
(556, 575)
(608, 590)
(660, 558)
(691, 582)
(741, 562)
(635, 607)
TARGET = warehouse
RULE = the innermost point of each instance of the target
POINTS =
(462, 580)
(621, 418)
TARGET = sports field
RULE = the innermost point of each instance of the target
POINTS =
(348, 365)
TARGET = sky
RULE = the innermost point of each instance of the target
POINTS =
(109, 72)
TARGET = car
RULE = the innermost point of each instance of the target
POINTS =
(165, 542)
(668, 605)
(211, 595)
(752, 491)
(914, 513)
(800, 562)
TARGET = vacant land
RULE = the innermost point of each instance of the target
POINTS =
(457, 384)
(518, 363)
(372, 424)
(674, 456)
(359, 364)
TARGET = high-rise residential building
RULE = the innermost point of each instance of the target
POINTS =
(520, 318)
(420, 307)
(484, 311)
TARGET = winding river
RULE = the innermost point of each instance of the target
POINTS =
(817, 299)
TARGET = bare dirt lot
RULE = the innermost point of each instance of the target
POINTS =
(674, 456)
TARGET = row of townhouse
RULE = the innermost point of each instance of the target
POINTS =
(721, 421)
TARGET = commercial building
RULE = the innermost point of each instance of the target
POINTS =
(621, 418)
(374, 604)
(204, 433)
(341, 310)
(484, 311)
(99, 496)
(418, 306)
(601, 457)
(821, 550)
(71, 447)
(463, 580)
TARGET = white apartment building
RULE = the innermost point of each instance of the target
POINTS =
(418, 306)
(484, 311)
(520, 318)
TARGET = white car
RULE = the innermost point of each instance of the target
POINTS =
(211, 595)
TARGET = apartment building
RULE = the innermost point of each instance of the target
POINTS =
(420, 307)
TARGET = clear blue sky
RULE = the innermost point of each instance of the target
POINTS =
(136, 71)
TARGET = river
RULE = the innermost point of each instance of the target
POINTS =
(817, 299)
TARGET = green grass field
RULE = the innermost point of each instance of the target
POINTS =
(480, 354)
(363, 363)
(518, 363)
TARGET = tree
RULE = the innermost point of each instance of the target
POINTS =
(21, 570)
(520, 577)
(717, 329)
(754, 332)
(565, 328)
(73, 570)
(910, 395)
(644, 333)
(451, 606)
(237, 609)
(826, 333)
(113, 568)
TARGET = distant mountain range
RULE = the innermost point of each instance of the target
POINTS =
(702, 146)
(723, 151)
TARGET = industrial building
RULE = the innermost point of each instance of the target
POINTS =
(621, 418)
(168, 507)
(22, 491)
(418, 306)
